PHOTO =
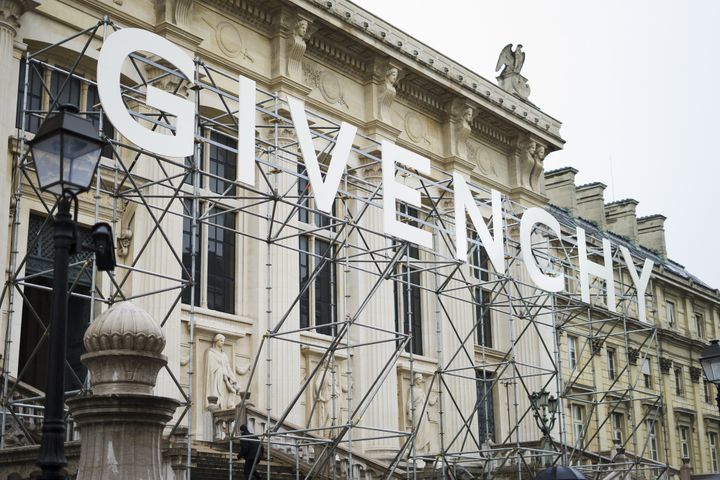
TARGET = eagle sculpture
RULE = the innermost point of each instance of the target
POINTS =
(511, 60)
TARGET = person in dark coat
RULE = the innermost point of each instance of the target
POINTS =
(251, 450)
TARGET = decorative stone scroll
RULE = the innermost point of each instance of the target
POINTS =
(633, 355)
(695, 374)
(296, 47)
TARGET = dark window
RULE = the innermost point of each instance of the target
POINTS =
(64, 92)
(93, 105)
(485, 409)
(221, 262)
(408, 305)
(408, 297)
(33, 360)
(322, 293)
(187, 252)
(223, 164)
(483, 316)
(34, 97)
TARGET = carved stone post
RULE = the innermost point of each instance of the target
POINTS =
(121, 421)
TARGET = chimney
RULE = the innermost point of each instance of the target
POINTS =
(651, 233)
(590, 203)
(560, 188)
(620, 218)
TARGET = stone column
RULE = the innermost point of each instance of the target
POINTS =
(121, 421)
(10, 13)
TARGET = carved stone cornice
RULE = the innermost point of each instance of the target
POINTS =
(319, 49)
(12, 10)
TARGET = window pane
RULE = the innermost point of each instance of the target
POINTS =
(485, 409)
(34, 97)
(221, 263)
(64, 93)
(304, 269)
(324, 289)
(187, 253)
(411, 308)
(223, 164)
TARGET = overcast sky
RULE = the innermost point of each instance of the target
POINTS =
(633, 82)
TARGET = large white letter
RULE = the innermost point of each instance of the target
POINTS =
(493, 246)
(393, 191)
(114, 51)
(324, 191)
(641, 282)
(588, 268)
(532, 217)
(246, 131)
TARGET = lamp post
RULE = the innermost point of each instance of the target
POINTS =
(545, 410)
(66, 152)
(710, 361)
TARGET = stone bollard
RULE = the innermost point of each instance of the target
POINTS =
(121, 422)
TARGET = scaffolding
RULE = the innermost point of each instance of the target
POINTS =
(318, 435)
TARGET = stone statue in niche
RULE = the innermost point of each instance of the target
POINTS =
(322, 393)
(510, 79)
(423, 421)
(221, 386)
(296, 49)
(387, 93)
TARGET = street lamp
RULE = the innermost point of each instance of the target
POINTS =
(545, 410)
(66, 152)
(710, 361)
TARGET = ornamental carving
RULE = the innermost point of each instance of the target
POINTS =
(327, 83)
(415, 128)
(479, 155)
(596, 345)
(633, 355)
(510, 79)
(537, 169)
(665, 365)
(527, 152)
(123, 243)
(12, 10)
(695, 374)
(229, 41)
(296, 48)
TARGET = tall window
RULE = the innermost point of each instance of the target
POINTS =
(700, 325)
(222, 164)
(712, 443)
(617, 427)
(408, 296)
(670, 309)
(34, 97)
(646, 372)
(685, 442)
(578, 420)
(652, 439)
(221, 261)
(187, 254)
(483, 317)
(572, 351)
(612, 372)
(678, 380)
(37, 300)
(485, 409)
(72, 93)
(318, 301)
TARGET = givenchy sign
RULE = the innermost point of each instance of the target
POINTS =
(124, 42)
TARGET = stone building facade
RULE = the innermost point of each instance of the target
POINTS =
(261, 329)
